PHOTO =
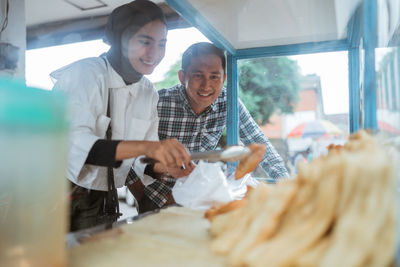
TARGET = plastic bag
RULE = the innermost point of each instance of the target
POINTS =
(208, 185)
(238, 188)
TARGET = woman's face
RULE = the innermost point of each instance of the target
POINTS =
(147, 47)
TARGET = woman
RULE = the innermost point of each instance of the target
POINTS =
(112, 86)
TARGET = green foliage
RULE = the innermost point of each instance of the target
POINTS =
(268, 86)
(171, 77)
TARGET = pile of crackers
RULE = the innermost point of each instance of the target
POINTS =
(339, 211)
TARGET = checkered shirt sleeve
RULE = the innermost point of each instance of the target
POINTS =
(157, 191)
(132, 177)
(249, 133)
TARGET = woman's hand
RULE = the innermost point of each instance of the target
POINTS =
(176, 172)
(170, 152)
(181, 172)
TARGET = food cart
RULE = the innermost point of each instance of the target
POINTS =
(242, 28)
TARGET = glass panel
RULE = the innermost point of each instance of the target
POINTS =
(41, 62)
(387, 65)
(388, 90)
(299, 102)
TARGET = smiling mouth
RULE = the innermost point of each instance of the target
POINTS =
(148, 62)
(205, 95)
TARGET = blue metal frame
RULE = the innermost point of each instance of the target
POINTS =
(294, 49)
(354, 33)
(232, 98)
(370, 43)
(354, 96)
(187, 11)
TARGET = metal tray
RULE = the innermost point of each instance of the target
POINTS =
(76, 238)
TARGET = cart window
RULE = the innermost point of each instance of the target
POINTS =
(300, 102)
(41, 62)
(388, 90)
(387, 67)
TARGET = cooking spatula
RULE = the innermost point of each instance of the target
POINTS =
(230, 153)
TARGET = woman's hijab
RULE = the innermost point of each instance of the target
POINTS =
(123, 23)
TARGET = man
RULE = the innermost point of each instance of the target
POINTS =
(194, 112)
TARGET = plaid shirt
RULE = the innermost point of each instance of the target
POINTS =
(202, 132)
(157, 191)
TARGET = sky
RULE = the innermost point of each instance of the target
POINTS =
(331, 67)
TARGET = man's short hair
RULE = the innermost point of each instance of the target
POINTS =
(201, 49)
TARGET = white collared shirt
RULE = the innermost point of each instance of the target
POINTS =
(133, 117)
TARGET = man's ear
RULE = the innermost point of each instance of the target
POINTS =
(224, 78)
(181, 75)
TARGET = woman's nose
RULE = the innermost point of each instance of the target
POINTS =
(151, 50)
(155, 51)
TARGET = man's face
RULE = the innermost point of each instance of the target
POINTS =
(203, 81)
(147, 47)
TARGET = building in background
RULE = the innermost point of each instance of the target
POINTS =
(308, 109)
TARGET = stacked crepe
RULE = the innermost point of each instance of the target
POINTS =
(339, 211)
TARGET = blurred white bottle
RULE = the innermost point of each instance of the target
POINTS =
(33, 187)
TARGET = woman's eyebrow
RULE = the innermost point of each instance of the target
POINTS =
(144, 36)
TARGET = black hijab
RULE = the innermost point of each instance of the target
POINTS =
(122, 24)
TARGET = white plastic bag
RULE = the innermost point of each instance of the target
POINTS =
(238, 188)
(207, 186)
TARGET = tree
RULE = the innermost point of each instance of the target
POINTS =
(268, 86)
(171, 77)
